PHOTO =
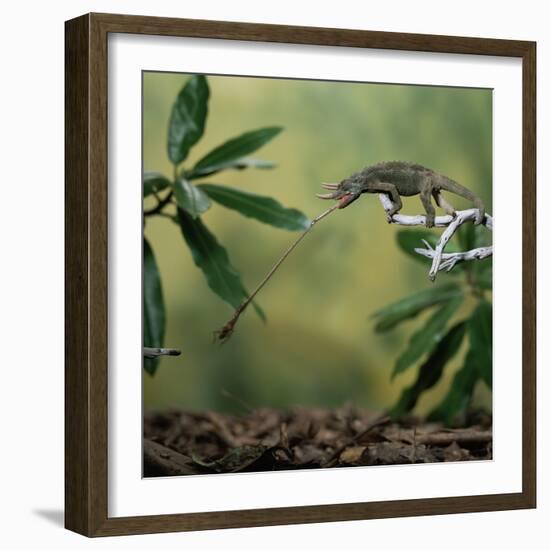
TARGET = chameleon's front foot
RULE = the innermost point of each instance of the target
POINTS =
(390, 214)
(430, 220)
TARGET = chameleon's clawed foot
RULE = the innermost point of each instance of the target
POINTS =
(430, 221)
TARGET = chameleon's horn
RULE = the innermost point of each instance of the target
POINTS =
(330, 186)
(326, 196)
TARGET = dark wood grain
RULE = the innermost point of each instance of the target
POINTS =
(529, 276)
(77, 383)
(86, 258)
(86, 276)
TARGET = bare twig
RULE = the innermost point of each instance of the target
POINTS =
(159, 460)
(441, 260)
(464, 438)
(450, 259)
(160, 205)
(151, 353)
(227, 330)
(237, 400)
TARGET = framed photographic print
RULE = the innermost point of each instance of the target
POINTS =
(300, 274)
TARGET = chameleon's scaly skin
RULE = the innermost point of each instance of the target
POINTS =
(403, 179)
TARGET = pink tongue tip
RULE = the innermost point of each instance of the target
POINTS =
(345, 200)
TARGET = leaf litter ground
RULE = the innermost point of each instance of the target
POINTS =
(188, 443)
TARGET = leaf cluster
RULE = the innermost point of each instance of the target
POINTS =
(184, 201)
(441, 336)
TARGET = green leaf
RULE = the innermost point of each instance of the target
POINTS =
(154, 316)
(480, 328)
(460, 392)
(234, 150)
(239, 164)
(390, 316)
(485, 277)
(188, 118)
(428, 336)
(154, 182)
(472, 236)
(189, 197)
(466, 236)
(409, 239)
(430, 372)
(477, 366)
(212, 259)
(263, 209)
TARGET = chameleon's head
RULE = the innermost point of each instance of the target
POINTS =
(344, 192)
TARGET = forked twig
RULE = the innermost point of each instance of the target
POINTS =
(450, 259)
(441, 260)
(223, 334)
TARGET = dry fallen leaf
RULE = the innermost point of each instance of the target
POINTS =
(267, 439)
(352, 455)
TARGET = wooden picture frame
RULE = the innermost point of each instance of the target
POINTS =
(86, 223)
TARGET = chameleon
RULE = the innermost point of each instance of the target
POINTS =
(402, 179)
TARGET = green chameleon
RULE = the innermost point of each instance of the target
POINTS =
(402, 179)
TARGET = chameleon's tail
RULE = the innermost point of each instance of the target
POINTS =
(454, 187)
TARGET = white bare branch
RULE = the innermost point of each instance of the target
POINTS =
(440, 259)
(151, 353)
(450, 259)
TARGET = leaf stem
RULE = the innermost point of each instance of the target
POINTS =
(158, 208)
(227, 330)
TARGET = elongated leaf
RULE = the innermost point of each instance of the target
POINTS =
(485, 266)
(485, 276)
(428, 336)
(153, 182)
(409, 239)
(480, 329)
(263, 209)
(189, 197)
(472, 236)
(239, 164)
(460, 392)
(466, 236)
(390, 316)
(154, 316)
(188, 118)
(430, 371)
(234, 150)
(213, 260)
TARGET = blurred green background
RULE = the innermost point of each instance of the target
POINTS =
(318, 347)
